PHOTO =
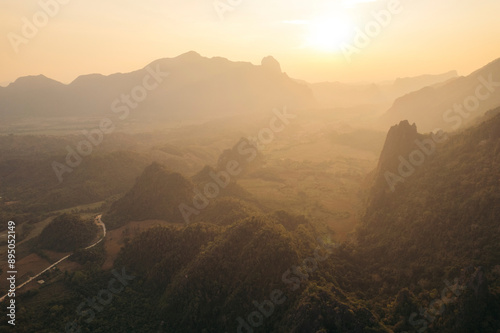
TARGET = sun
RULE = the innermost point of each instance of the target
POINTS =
(327, 34)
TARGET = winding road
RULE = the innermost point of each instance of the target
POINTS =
(98, 221)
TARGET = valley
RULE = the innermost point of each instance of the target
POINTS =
(283, 206)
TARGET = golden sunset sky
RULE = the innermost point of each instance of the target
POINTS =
(97, 36)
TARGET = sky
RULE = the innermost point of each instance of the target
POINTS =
(314, 40)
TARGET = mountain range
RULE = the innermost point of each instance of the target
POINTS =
(183, 89)
(167, 89)
(343, 95)
(451, 105)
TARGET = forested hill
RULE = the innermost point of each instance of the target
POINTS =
(156, 194)
(451, 201)
(442, 218)
(165, 195)
(207, 278)
(67, 232)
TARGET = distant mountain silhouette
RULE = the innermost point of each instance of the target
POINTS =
(433, 107)
(341, 95)
(409, 84)
(195, 86)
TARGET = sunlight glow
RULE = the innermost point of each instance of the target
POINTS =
(354, 3)
(326, 34)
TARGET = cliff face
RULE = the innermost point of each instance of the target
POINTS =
(401, 141)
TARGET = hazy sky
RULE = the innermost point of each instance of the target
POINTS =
(108, 36)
